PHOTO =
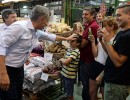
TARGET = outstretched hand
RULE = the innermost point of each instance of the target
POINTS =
(72, 37)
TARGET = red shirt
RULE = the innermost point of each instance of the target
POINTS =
(86, 52)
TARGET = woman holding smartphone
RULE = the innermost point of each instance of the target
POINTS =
(98, 50)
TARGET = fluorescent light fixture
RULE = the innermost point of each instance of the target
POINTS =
(24, 6)
(122, 0)
(45, 4)
(94, 3)
(120, 4)
(6, 1)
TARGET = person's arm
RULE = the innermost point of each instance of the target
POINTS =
(117, 58)
(94, 46)
(7, 38)
(85, 35)
(4, 78)
(73, 55)
(66, 61)
(94, 49)
(70, 38)
(52, 37)
(99, 77)
(103, 46)
(101, 40)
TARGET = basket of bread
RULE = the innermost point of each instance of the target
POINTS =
(60, 29)
(57, 50)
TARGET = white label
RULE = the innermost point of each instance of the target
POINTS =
(48, 56)
(44, 77)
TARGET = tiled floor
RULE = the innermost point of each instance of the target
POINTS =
(128, 98)
(77, 92)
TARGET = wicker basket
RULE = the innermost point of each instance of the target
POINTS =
(66, 34)
(58, 55)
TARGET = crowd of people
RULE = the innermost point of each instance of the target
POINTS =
(104, 54)
(99, 51)
(104, 57)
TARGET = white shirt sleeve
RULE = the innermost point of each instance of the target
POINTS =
(10, 35)
(2, 50)
(46, 36)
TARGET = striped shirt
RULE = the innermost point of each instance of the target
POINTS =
(70, 71)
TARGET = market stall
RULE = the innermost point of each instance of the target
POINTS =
(42, 69)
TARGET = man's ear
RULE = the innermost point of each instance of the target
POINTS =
(40, 19)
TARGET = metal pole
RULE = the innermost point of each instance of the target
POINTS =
(116, 3)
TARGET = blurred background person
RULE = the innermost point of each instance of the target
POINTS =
(78, 28)
(9, 16)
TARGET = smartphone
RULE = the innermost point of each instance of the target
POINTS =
(90, 34)
(101, 25)
(90, 31)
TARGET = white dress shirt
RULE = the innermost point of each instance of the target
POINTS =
(18, 40)
(3, 26)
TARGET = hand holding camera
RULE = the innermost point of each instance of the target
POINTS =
(103, 34)
(90, 36)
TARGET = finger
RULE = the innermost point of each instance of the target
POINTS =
(5, 87)
(90, 38)
(105, 31)
(93, 37)
(99, 28)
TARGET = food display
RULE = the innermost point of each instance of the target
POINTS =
(56, 48)
(58, 28)
(52, 71)
(40, 69)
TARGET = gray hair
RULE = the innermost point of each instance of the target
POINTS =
(38, 11)
(6, 12)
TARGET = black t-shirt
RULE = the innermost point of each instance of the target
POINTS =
(119, 75)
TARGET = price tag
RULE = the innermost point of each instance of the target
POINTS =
(44, 77)
(48, 56)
